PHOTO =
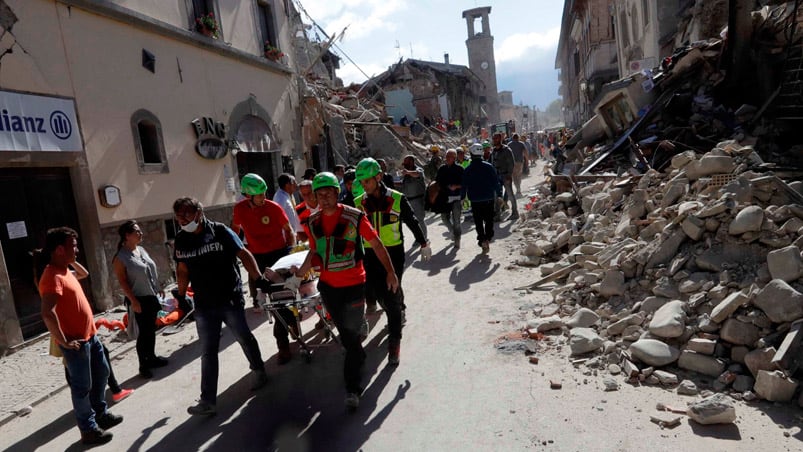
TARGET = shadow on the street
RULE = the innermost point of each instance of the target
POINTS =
(477, 270)
(46, 434)
(719, 431)
(178, 359)
(300, 409)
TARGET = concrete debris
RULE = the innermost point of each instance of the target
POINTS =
(584, 340)
(654, 352)
(687, 387)
(610, 384)
(775, 386)
(717, 409)
(678, 236)
(696, 266)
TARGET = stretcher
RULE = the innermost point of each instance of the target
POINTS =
(299, 296)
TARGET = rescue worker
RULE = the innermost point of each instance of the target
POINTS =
(386, 209)
(336, 236)
(270, 237)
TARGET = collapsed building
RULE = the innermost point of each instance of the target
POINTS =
(675, 230)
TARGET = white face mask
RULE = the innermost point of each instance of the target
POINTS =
(190, 227)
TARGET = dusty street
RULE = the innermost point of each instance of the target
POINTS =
(460, 384)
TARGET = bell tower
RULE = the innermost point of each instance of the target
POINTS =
(480, 45)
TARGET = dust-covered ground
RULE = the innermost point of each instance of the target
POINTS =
(465, 382)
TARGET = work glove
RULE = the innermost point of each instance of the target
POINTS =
(426, 252)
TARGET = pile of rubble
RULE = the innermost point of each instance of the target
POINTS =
(356, 126)
(696, 267)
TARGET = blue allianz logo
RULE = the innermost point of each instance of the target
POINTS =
(60, 125)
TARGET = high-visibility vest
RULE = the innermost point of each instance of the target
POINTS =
(388, 222)
(343, 249)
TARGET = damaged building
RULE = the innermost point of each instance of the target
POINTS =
(428, 91)
(174, 100)
(674, 232)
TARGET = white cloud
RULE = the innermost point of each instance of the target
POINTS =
(515, 47)
(361, 16)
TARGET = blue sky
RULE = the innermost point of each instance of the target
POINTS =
(379, 32)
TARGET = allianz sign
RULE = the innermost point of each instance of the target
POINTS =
(38, 123)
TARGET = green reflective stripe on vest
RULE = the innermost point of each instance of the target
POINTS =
(387, 223)
(343, 248)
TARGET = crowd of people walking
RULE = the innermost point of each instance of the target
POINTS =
(349, 220)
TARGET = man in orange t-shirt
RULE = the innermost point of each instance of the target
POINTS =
(68, 317)
(336, 235)
(270, 237)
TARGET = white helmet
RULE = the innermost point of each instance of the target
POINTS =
(476, 150)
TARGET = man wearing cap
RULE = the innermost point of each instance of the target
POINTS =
(386, 209)
(270, 237)
(480, 186)
(336, 236)
(414, 187)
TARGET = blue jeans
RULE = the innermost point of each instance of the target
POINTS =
(208, 322)
(451, 219)
(89, 373)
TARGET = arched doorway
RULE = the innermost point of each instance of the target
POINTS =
(257, 150)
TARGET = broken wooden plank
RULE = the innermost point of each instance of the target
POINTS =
(551, 277)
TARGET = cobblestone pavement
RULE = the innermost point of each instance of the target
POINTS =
(30, 374)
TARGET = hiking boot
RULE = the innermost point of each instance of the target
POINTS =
(352, 400)
(96, 436)
(202, 409)
(393, 354)
(157, 361)
(118, 396)
(486, 247)
(258, 379)
(284, 355)
(107, 420)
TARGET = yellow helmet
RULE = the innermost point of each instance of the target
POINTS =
(434, 149)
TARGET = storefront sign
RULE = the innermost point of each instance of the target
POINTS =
(211, 136)
(38, 123)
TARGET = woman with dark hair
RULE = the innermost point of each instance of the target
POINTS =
(138, 278)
